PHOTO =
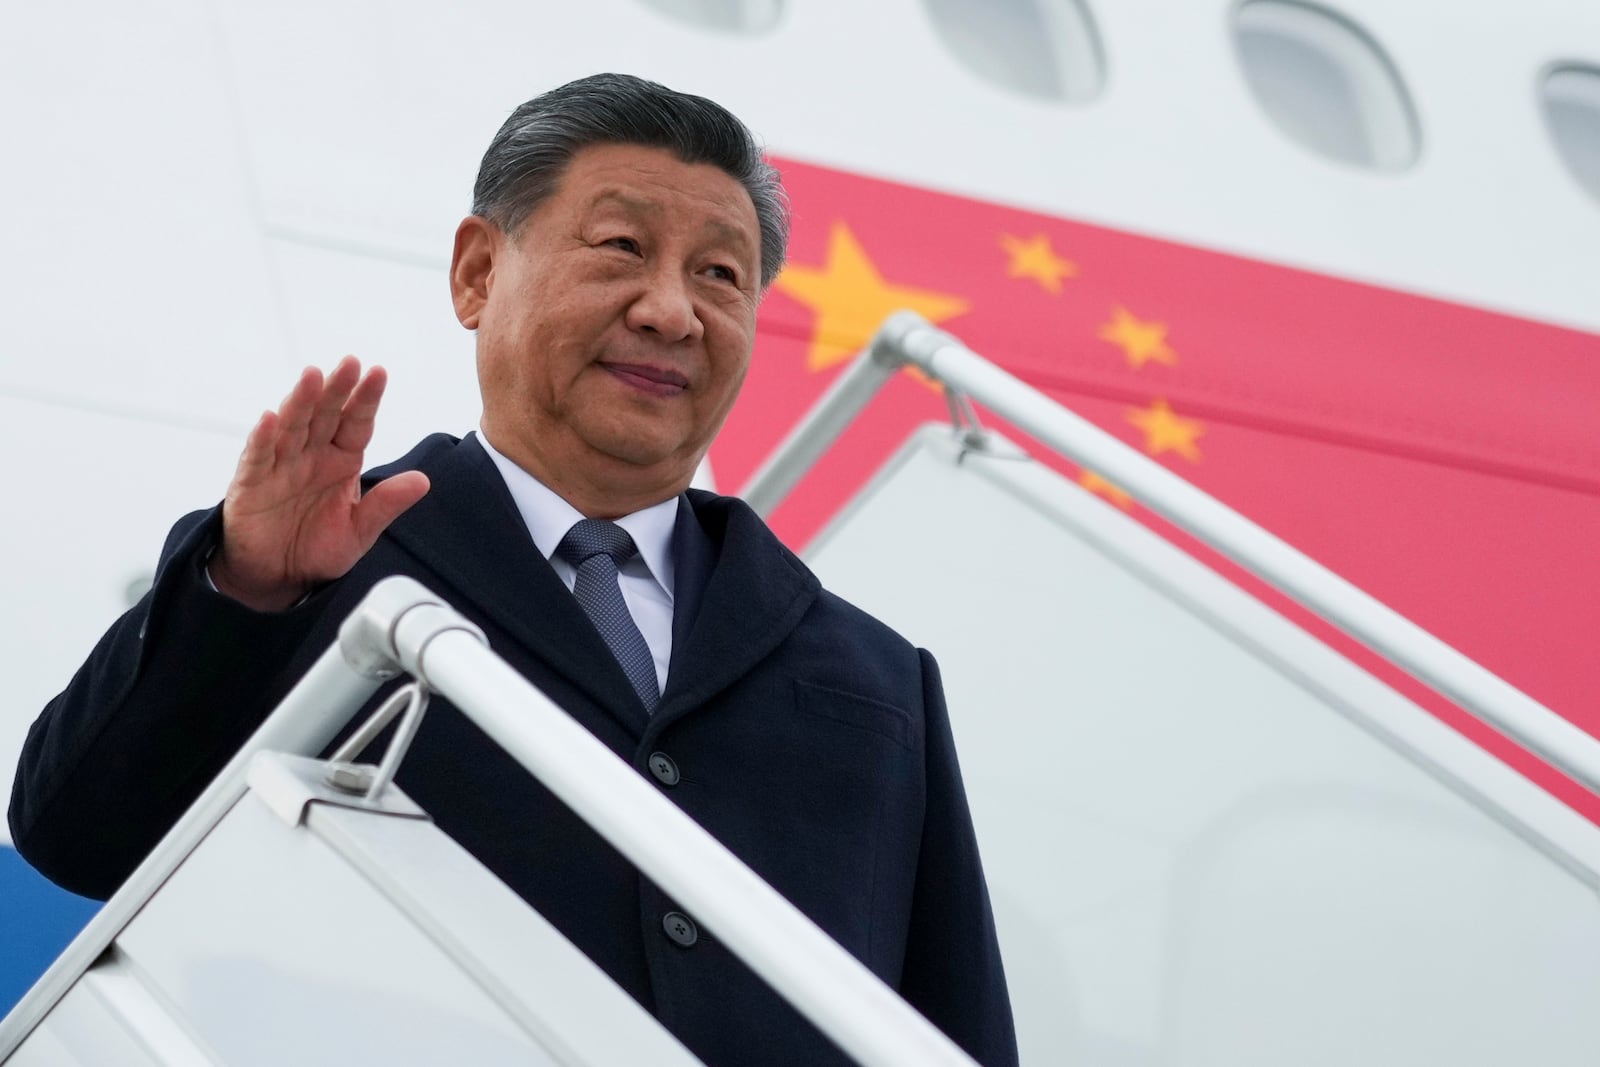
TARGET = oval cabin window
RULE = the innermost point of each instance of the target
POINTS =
(1326, 84)
(730, 16)
(1048, 49)
(1571, 99)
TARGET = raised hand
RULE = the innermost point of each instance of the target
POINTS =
(295, 515)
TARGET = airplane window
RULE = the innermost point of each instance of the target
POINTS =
(1571, 98)
(1042, 48)
(738, 16)
(1326, 84)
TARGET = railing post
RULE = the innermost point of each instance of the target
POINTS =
(830, 415)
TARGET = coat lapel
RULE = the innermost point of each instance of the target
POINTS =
(467, 530)
(738, 594)
(694, 556)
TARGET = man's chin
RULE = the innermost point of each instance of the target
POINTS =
(632, 460)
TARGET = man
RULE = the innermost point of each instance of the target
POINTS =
(621, 238)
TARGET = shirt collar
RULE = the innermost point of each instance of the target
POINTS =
(549, 517)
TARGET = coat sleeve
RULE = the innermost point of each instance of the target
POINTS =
(953, 973)
(167, 696)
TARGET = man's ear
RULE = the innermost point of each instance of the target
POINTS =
(472, 268)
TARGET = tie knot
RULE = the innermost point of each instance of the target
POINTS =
(593, 537)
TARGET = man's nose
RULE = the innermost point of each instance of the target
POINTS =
(666, 308)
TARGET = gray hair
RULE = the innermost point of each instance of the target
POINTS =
(525, 161)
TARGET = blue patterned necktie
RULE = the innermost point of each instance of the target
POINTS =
(596, 548)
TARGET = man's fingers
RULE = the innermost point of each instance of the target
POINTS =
(385, 502)
(341, 382)
(256, 461)
(294, 414)
(361, 411)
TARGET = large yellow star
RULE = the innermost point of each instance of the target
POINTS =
(1165, 431)
(1034, 258)
(852, 299)
(1141, 341)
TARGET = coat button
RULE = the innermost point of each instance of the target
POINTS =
(663, 768)
(680, 928)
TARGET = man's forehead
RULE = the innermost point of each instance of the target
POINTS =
(631, 168)
(657, 200)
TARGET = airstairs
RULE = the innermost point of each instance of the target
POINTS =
(306, 911)
(1209, 838)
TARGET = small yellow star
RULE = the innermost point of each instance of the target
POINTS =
(1035, 259)
(1141, 341)
(851, 299)
(1165, 431)
(1096, 484)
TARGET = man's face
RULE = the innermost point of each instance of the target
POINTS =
(615, 329)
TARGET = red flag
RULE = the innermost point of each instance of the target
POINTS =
(1441, 457)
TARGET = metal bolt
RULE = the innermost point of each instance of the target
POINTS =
(353, 778)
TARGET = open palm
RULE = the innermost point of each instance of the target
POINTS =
(295, 515)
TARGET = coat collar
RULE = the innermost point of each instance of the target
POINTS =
(738, 594)
(742, 593)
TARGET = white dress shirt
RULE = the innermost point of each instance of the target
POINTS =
(646, 579)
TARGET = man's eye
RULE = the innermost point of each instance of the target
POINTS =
(627, 244)
(727, 274)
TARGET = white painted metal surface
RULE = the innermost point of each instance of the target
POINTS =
(400, 624)
(202, 197)
(825, 983)
(1174, 146)
(279, 950)
(86, 1030)
(101, 505)
(1209, 839)
(907, 339)
(355, 937)
(306, 721)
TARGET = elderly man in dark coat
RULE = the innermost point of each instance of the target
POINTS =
(621, 238)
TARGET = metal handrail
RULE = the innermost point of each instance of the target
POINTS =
(308, 718)
(907, 339)
(401, 626)
(810, 970)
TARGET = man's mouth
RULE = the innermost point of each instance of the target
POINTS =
(656, 381)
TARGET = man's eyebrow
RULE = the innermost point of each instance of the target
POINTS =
(623, 200)
(720, 230)
(732, 234)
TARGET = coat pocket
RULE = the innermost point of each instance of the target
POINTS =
(851, 709)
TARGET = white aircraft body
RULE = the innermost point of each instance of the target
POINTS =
(200, 197)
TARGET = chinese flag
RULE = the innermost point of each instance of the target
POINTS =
(1441, 457)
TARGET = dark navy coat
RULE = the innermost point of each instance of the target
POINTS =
(808, 737)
